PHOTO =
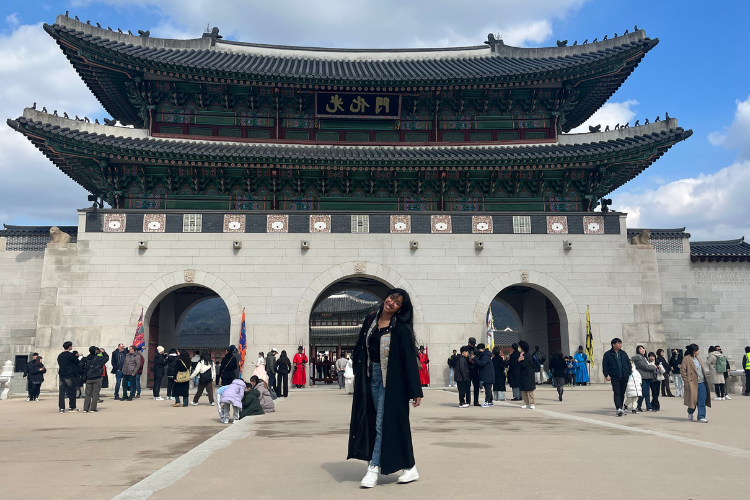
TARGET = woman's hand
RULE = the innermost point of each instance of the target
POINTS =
(416, 402)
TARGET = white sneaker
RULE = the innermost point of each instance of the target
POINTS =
(211, 404)
(485, 405)
(159, 399)
(703, 420)
(408, 475)
(28, 399)
(371, 478)
(718, 399)
(193, 403)
(690, 416)
(532, 407)
(463, 406)
(524, 406)
(727, 397)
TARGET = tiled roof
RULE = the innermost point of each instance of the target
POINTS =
(203, 340)
(9, 231)
(345, 303)
(653, 135)
(678, 233)
(398, 66)
(729, 250)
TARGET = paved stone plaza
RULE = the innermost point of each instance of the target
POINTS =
(574, 449)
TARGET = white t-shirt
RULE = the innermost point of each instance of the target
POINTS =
(699, 369)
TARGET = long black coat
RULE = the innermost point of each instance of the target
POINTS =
(499, 364)
(159, 365)
(526, 380)
(402, 384)
(514, 371)
(183, 389)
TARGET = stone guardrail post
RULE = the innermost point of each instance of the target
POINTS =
(6, 376)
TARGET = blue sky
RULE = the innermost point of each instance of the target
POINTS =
(699, 73)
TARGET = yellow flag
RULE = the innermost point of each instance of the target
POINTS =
(589, 338)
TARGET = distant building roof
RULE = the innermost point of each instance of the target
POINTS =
(32, 238)
(505, 337)
(9, 230)
(724, 251)
(678, 233)
(345, 303)
(203, 340)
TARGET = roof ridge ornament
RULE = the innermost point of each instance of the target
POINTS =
(494, 40)
(213, 35)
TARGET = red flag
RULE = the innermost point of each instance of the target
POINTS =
(139, 341)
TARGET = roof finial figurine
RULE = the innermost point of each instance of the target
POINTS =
(575, 43)
(119, 30)
(635, 28)
(666, 116)
(595, 40)
(637, 122)
(645, 122)
(598, 128)
(77, 18)
(144, 34)
(55, 113)
(67, 12)
(88, 21)
(96, 120)
(605, 37)
(615, 35)
(86, 119)
(617, 127)
(33, 106)
(657, 119)
(606, 129)
(130, 32)
(626, 32)
(44, 109)
(111, 123)
(564, 43)
(493, 40)
(78, 119)
(627, 125)
(98, 25)
(65, 114)
(585, 41)
(110, 28)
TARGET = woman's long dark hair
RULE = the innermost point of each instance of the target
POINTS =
(206, 358)
(405, 315)
(284, 358)
(690, 349)
(185, 357)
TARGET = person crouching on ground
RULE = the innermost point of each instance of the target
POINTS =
(633, 391)
(462, 376)
(498, 364)
(386, 378)
(231, 400)
(251, 399)
(695, 381)
(486, 368)
(527, 381)
(264, 395)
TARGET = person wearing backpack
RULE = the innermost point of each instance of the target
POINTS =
(746, 367)
(717, 365)
(452, 366)
(204, 373)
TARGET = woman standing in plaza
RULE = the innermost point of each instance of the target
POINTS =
(36, 377)
(386, 380)
(181, 389)
(662, 361)
(646, 369)
(694, 377)
(675, 361)
(527, 380)
(283, 367)
(498, 363)
(717, 360)
(260, 368)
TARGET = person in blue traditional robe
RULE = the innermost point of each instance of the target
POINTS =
(582, 369)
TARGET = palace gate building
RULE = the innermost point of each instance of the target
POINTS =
(276, 176)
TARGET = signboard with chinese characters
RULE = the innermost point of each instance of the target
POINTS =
(357, 105)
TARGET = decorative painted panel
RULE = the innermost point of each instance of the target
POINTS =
(557, 224)
(114, 223)
(154, 223)
(441, 224)
(593, 224)
(481, 224)
(320, 223)
(400, 224)
(277, 224)
(234, 223)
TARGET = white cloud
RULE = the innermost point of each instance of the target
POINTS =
(32, 68)
(712, 206)
(737, 135)
(364, 23)
(610, 114)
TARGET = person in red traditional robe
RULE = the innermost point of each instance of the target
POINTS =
(424, 371)
(299, 379)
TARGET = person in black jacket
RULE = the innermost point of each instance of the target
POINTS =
(462, 376)
(283, 368)
(80, 374)
(36, 377)
(514, 373)
(527, 380)
(498, 364)
(118, 359)
(171, 361)
(675, 361)
(95, 361)
(228, 368)
(616, 368)
(158, 367)
(473, 369)
(559, 370)
(483, 362)
(67, 364)
(452, 367)
(26, 375)
(661, 360)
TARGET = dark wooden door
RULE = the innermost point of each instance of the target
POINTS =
(554, 342)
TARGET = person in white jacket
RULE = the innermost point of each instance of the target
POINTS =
(349, 376)
(205, 374)
(634, 390)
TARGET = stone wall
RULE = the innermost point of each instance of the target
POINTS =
(92, 292)
(20, 278)
(705, 303)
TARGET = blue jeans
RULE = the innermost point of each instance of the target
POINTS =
(646, 391)
(450, 380)
(118, 381)
(138, 384)
(129, 382)
(378, 399)
(701, 403)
